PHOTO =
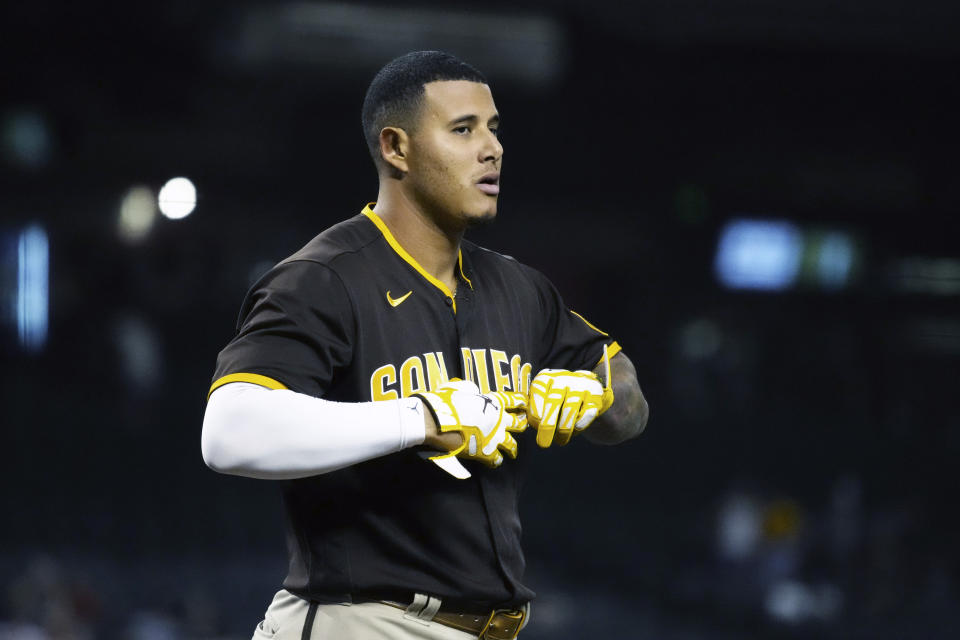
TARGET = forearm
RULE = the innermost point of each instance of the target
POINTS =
(628, 415)
(256, 432)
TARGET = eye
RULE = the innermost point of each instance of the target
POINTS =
(495, 131)
(461, 130)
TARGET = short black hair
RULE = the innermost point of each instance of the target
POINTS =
(396, 92)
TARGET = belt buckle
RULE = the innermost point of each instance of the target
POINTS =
(503, 624)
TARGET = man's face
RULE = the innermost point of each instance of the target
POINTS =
(454, 164)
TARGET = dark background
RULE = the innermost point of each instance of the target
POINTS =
(796, 478)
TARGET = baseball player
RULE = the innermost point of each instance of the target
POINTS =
(383, 371)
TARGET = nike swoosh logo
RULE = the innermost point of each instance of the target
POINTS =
(396, 302)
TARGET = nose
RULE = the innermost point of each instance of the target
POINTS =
(492, 149)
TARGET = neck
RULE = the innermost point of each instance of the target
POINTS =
(435, 248)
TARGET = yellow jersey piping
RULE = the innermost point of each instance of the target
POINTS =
(388, 236)
(587, 322)
(462, 274)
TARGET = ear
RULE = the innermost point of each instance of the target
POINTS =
(394, 146)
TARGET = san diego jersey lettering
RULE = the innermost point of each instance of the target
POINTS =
(490, 369)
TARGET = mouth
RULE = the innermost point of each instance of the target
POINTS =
(489, 183)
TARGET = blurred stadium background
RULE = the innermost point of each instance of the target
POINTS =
(758, 199)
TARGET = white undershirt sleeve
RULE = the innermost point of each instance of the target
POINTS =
(252, 431)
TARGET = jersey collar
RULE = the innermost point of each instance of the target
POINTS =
(388, 236)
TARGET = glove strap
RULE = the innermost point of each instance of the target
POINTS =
(426, 403)
(436, 420)
(607, 400)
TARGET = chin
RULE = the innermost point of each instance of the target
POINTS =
(482, 218)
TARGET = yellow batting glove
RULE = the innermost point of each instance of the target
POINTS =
(565, 402)
(482, 419)
(515, 406)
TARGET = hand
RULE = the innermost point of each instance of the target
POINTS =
(482, 420)
(565, 402)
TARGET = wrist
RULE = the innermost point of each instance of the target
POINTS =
(433, 437)
(430, 428)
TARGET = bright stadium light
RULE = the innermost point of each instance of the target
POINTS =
(759, 254)
(177, 198)
(33, 277)
(138, 212)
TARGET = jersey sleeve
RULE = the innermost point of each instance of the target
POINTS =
(569, 340)
(295, 331)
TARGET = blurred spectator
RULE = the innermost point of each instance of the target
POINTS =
(43, 600)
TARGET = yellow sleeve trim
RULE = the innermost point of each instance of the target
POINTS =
(612, 349)
(388, 236)
(255, 378)
(587, 322)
